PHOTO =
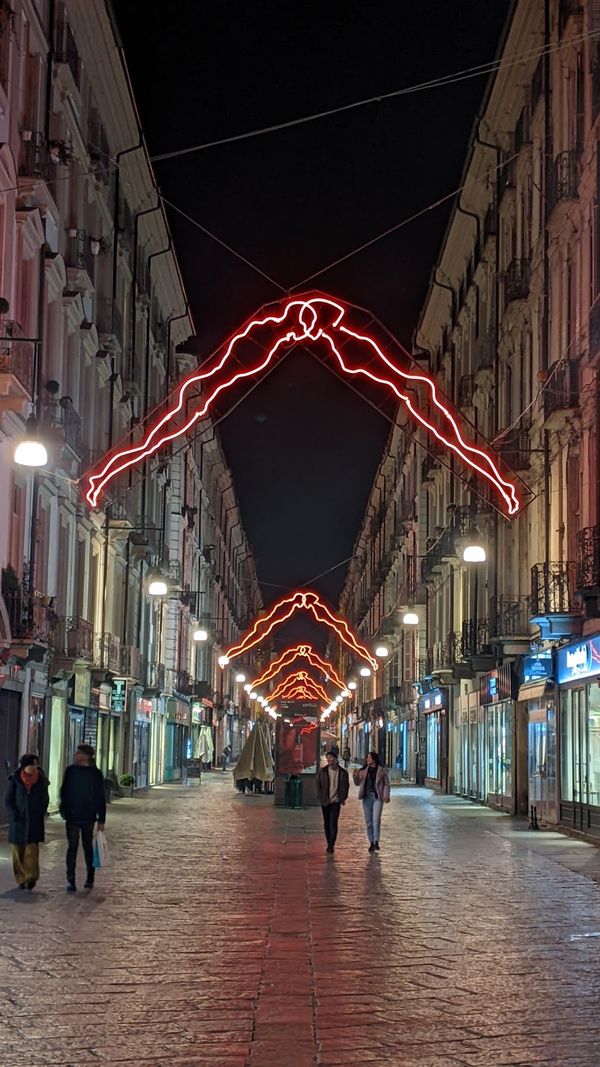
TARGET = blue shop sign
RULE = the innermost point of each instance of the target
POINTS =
(435, 700)
(579, 661)
(537, 667)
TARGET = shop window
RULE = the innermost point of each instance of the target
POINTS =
(593, 738)
(433, 734)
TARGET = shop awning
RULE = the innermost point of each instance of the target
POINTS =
(533, 690)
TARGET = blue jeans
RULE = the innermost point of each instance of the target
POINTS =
(372, 811)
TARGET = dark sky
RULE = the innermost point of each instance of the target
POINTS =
(303, 447)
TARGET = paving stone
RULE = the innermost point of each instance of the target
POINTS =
(222, 933)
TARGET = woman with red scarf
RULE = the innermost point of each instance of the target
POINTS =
(27, 801)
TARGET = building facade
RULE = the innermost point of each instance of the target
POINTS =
(504, 656)
(93, 311)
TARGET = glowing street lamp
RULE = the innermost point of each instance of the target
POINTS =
(247, 687)
(352, 685)
(382, 652)
(253, 695)
(410, 618)
(365, 672)
(157, 587)
(31, 451)
(200, 635)
(223, 661)
(240, 678)
(474, 554)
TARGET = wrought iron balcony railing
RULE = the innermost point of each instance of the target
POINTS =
(516, 280)
(132, 663)
(34, 158)
(16, 357)
(515, 449)
(72, 636)
(509, 616)
(553, 589)
(564, 177)
(29, 614)
(107, 652)
(588, 558)
(474, 638)
(562, 391)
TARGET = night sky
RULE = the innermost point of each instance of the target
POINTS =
(303, 447)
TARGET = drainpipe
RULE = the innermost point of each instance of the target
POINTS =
(136, 229)
(544, 352)
(496, 326)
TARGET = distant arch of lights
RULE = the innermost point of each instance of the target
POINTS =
(308, 318)
(290, 655)
(299, 680)
(301, 600)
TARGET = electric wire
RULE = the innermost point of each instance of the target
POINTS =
(434, 83)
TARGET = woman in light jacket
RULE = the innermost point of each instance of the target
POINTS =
(374, 791)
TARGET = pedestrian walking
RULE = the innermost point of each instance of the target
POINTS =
(374, 791)
(82, 805)
(346, 755)
(333, 785)
(27, 801)
(225, 758)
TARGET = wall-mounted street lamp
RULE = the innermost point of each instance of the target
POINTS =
(200, 635)
(31, 450)
(157, 586)
(410, 618)
(474, 553)
(365, 672)
(382, 651)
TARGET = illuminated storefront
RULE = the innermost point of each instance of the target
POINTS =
(505, 740)
(433, 712)
(538, 693)
(578, 676)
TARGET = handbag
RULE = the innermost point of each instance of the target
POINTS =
(101, 854)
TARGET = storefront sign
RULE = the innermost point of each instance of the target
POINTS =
(537, 667)
(578, 661)
(178, 711)
(196, 714)
(118, 697)
(207, 703)
(83, 688)
(143, 709)
(436, 700)
(496, 685)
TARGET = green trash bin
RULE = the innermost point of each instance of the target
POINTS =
(293, 791)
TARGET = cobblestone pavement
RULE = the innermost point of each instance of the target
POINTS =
(223, 934)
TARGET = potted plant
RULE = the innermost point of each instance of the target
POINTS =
(127, 781)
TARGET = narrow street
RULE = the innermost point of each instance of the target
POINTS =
(222, 933)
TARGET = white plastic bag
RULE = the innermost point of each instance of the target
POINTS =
(101, 855)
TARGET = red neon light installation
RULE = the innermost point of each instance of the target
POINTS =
(302, 319)
(299, 686)
(284, 609)
(297, 652)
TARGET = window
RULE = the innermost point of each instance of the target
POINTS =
(433, 740)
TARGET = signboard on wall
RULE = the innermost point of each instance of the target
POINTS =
(578, 661)
(118, 699)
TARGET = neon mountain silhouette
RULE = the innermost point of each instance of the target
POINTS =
(314, 318)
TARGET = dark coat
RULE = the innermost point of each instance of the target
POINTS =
(323, 785)
(27, 810)
(82, 796)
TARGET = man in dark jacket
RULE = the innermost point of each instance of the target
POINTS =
(333, 785)
(82, 804)
(27, 801)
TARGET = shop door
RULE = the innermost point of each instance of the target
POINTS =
(582, 796)
(141, 745)
(10, 704)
